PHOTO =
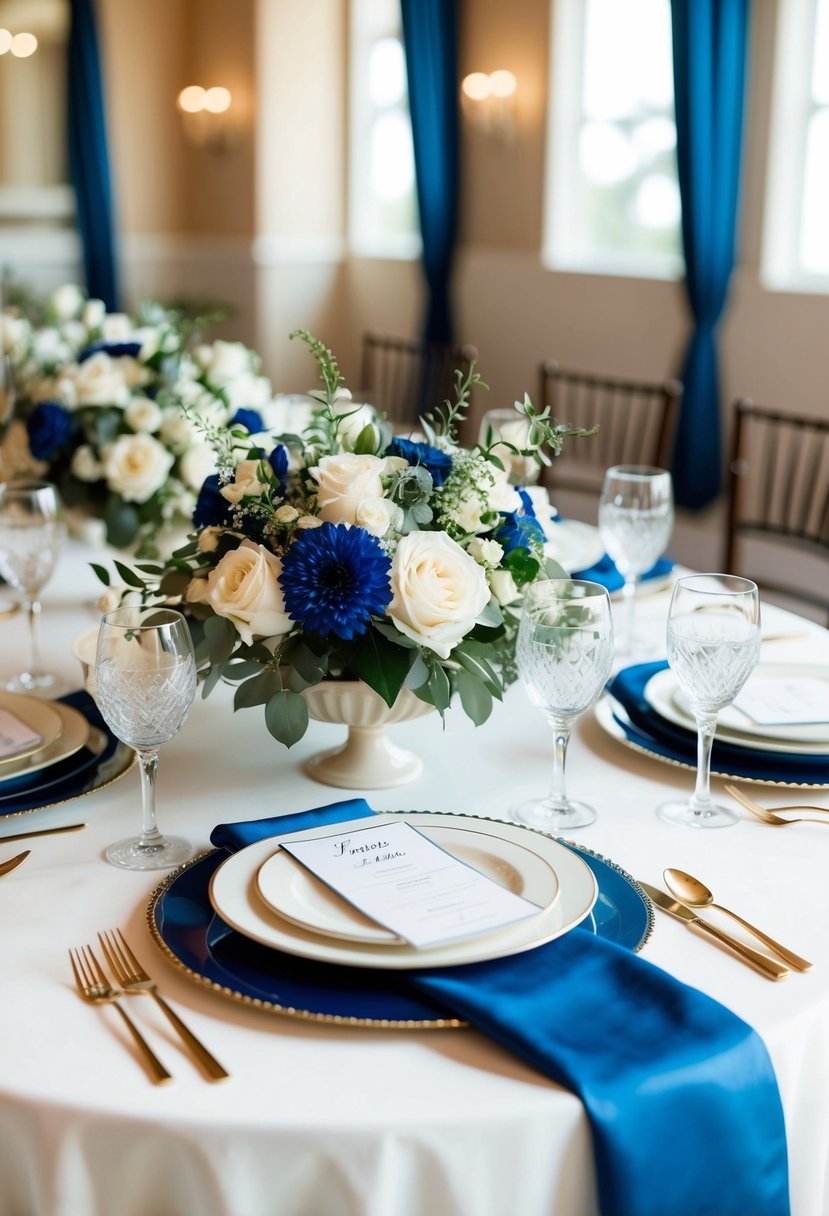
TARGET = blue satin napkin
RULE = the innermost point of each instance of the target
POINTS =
(680, 1093)
(605, 573)
(650, 730)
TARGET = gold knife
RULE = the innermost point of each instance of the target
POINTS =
(72, 827)
(768, 967)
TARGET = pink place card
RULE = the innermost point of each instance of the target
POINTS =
(15, 736)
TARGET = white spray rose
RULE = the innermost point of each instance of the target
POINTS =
(66, 301)
(244, 588)
(379, 516)
(135, 466)
(245, 483)
(248, 392)
(85, 465)
(99, 380)
(344, 482)
(502, 585)
(196, 464)
(439, 591)
(142, 414)
(177, 432)
(222, 362)
(208, 541)
(93, 314)
(116, 327)
(485, 552)
(517, 432)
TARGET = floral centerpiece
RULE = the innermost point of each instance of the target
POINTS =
(98, 409)
(345, 552)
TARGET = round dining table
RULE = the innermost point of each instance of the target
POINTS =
(335, 1120)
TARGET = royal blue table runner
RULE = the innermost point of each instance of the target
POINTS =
(681, 1096)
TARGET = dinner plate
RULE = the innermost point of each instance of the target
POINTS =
(733, 719)
(199, 945)
(235, 897)
(74, 734)
(296, 895)
(664, 696)
(574, 545)
(39, 716)
(605, 714)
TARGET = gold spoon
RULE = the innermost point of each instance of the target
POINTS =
(696, 895)
(13, 863)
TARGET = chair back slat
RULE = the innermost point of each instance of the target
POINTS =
(405, 379)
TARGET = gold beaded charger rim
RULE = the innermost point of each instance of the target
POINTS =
(125, 759)
(332, 1019)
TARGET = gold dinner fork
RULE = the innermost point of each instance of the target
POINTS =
(767, 814)
(133, 978)
(94, 986)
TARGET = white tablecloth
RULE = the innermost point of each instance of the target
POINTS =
(329, 1121)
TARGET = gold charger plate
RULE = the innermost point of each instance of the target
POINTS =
(74, 734)
(40, 716)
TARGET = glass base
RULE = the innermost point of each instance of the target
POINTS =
(43, 685)
(552, 817)
(131, 854)
(689, 816)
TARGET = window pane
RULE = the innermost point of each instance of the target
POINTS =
(814, 232)
(820, 66)
(627, 58)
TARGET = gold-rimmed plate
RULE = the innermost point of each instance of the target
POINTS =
(40, 716)
(73, 735)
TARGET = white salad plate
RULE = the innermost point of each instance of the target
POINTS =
(234, 894)
(295, 894)
(574, 545)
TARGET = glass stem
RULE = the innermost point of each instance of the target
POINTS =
(148, 761)
(34, 608)
(628, 609)
(701, 800)
(561, 736)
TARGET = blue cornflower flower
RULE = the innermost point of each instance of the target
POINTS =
(211, 510)
(115, 350)
(436, 462)
(278, 460)
(49, 426)
(250, 419)
(334, 579)
(520, 529)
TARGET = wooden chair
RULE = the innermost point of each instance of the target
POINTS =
(778, 514)
(405, 379)
(636, 421)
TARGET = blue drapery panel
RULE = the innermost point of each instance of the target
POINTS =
(88, 155)
(709, 51)
(430, 35)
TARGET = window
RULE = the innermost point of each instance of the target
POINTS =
(382, 195)
(612, 197)
(796, 233)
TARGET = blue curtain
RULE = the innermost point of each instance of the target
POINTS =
(88, 156)
(710, 40)
(430, 36)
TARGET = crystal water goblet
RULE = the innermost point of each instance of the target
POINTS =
(564, 654)
(145, 678)
(32, 533)
(636, 518)
(713, 647)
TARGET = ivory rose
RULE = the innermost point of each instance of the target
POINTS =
(439, 591)
(379, 516)
(245, 483)
(345, 481)
(99, 380)
(244, 588)
(135, 466)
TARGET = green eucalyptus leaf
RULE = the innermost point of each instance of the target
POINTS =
(480, 669)
(239, 669)
(379, 662)
(491, 616)
(439, 688)
(286, 717)
(174, 582)
(259, 690)
(129, 576)
(210, 681)
(121, 521)
(476, 698)
(102, 573)
(221, 636)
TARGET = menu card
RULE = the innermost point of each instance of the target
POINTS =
(15, 736)
(405, 881)
(786, 701)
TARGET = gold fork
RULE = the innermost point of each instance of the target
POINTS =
(768, 816)
(134, 979)
(94, 986)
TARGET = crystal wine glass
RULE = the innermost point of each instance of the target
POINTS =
(32, 532)
(145, 677)
(713, 647)
(564, 653)
(636, 518)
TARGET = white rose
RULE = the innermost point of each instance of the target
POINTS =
(99, 380)
(379, 516)
(75, 332)
(208, 541)
(177, 432)
(93, 314)
(245, 484)
(355, 418)
(249, 392)
(244, 588)
(142, 414)
(223, 361)
(65, 302)
(306, 522)
(49, 345)
(135, 466)
(439, 591)
(16, 333)
(502, 585)
(197, 464)
(85, 464)
(286, 514)
(344, 482)
(503, 496)
(485, 552)
(545, 512)
(116, 327)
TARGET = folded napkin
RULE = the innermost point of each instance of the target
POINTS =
(650, 730)
(680, 1093)
(605, 573)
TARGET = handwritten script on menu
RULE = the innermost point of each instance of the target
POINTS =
(403, 880)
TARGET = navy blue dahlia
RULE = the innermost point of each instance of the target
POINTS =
(438, 463)
(334, 579)
(115, 350)
(278, 460)
(211, 510)
(250, 419)
(49, 426)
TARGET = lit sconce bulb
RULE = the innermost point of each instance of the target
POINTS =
(203, 113)
(5, 41)
(192, 99)
(217, 100)
(502, 83)
(476, 86)
(488, 101)
(23, 45)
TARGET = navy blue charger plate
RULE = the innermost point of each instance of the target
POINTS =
(197, 941)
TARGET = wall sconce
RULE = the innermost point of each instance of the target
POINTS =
(21, 45)
(204, 117)
(488, 103)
